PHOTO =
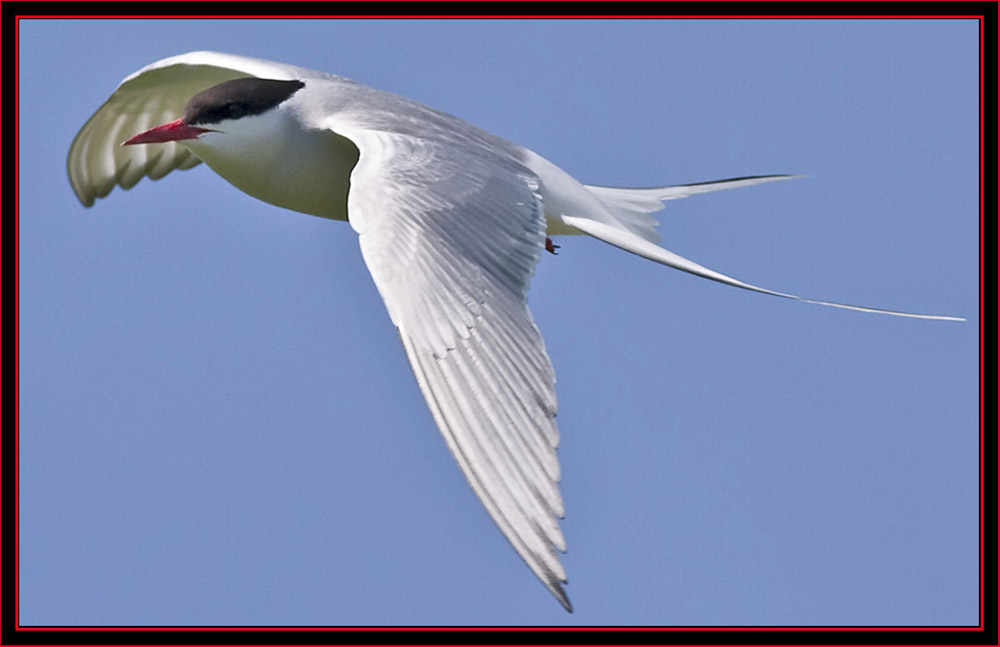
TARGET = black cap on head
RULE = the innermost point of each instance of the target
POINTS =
(238, 98)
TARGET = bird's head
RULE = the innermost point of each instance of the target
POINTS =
(250, 133)
(233, 106)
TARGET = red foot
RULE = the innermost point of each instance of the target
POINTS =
(550, 247)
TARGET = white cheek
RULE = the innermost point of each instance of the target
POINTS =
(212, 140)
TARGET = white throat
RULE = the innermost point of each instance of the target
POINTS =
(274, 158)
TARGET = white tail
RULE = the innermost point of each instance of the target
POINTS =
(630, 209)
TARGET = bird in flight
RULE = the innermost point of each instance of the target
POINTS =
(451, 220)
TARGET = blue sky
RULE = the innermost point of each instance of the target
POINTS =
(219, 426)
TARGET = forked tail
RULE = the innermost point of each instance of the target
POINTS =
(636, 235)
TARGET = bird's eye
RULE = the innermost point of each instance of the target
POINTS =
(227, 110)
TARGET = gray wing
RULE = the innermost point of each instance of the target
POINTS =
(451, 234)
(154, 95)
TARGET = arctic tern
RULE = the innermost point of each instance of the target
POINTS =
(451, 221)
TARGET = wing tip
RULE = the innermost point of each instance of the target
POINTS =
(560, 594)
(86, 198)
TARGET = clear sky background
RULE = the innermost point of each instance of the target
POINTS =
(218, 424)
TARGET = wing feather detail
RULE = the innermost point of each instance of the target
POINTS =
(451, 236)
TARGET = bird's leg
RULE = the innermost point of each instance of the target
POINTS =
(550, 247)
